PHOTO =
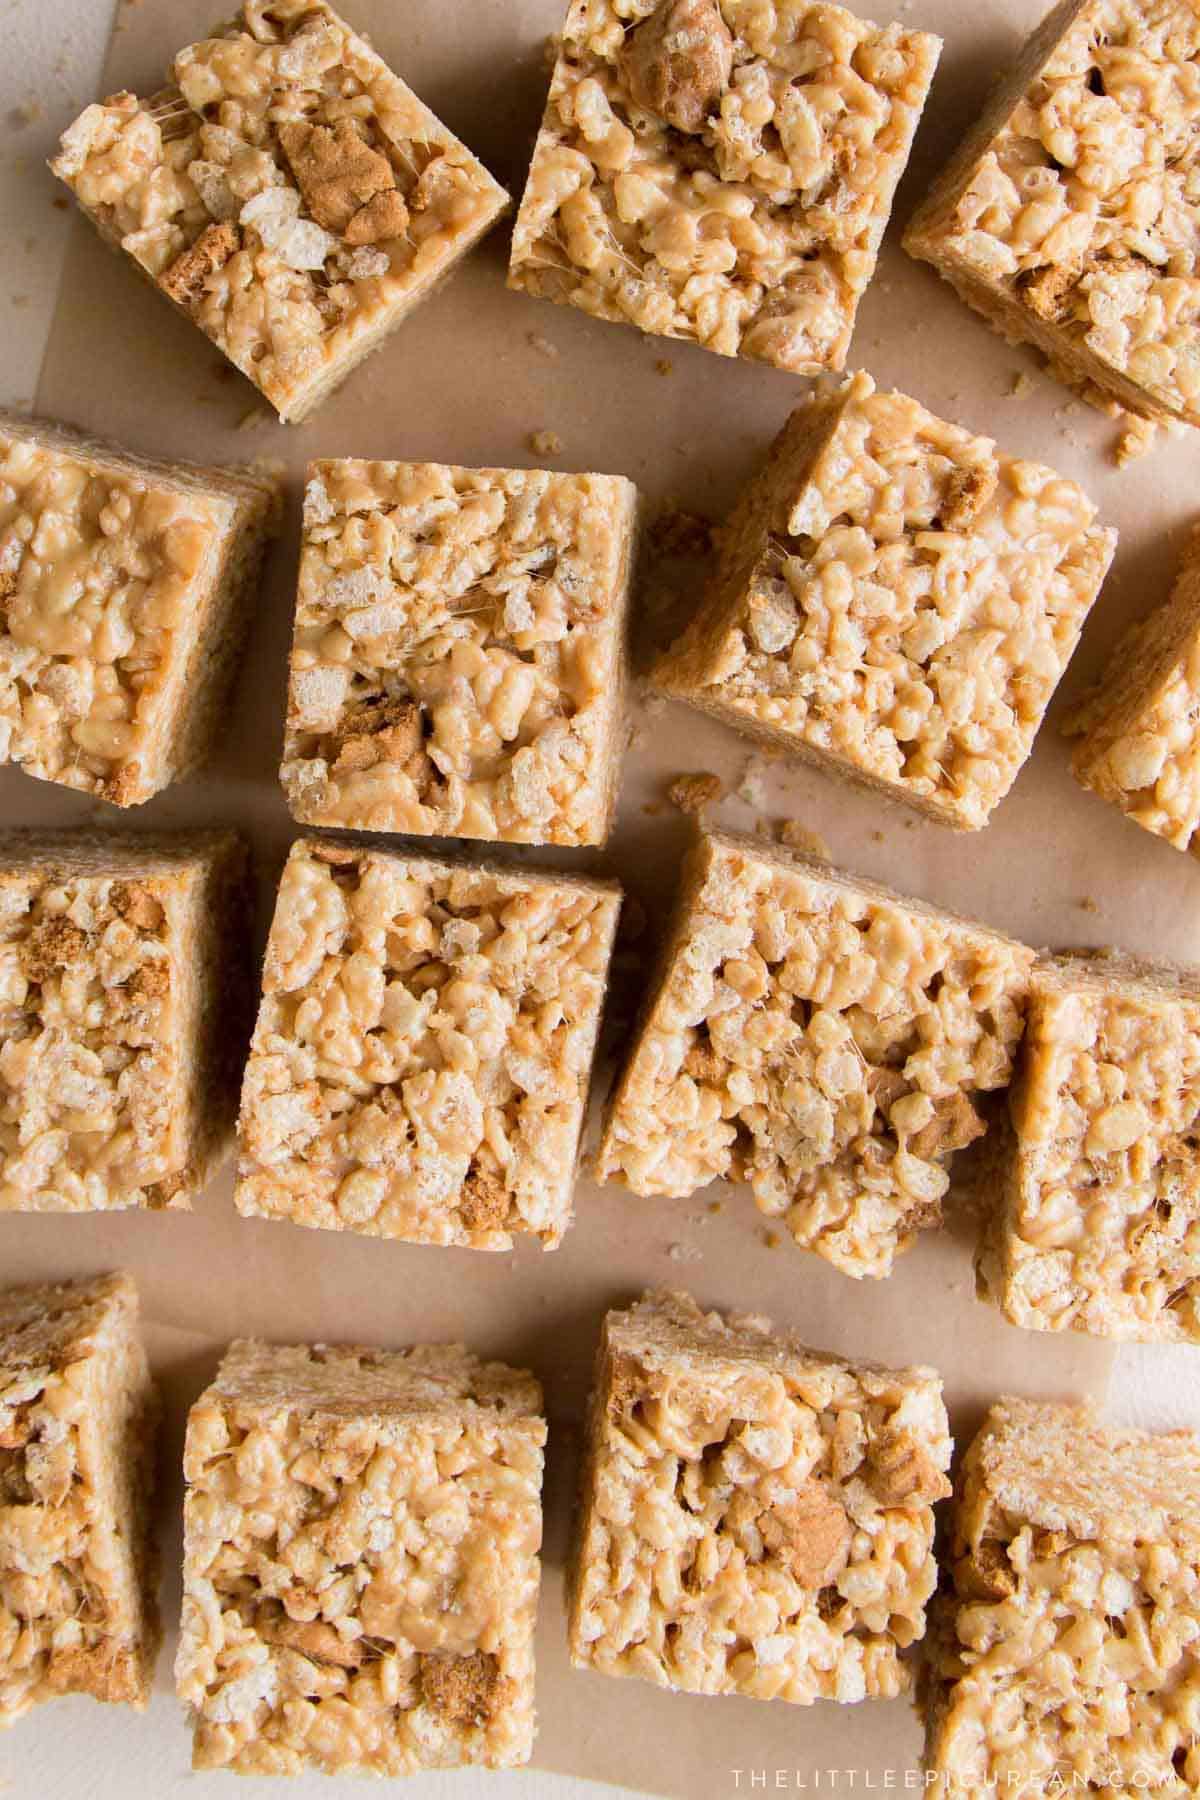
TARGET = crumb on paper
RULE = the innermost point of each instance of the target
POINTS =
(653, 808)
(692, 793)
(545, 443)
(674, 531)
(800, 837)
(877, 837)
(60, 203)
(542, 345)
(685, 1253)
(1022, 384)
(752, 788)
(664, 366)
(716, 1206)
(27, 113)
(1136, 440)
(1088, 905)
(770, 1238)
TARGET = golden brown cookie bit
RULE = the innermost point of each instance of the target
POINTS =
(1064, 1644)
(287, 190)
(687, 146)
(1092, 1223)
(821, 631)
(731, 1541)
(420, 1065)
(820, 1038)
(693, 793)
(385, 1625)
(78, 1567)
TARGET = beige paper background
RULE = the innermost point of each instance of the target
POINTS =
(462, 381)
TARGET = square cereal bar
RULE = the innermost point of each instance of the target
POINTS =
(1064, 1657)
(360, 1561)
(1094, 1227)
(823, 1039)
(286, 191)
(1139, 745)
(123, 1016)
(78, 1566)
(721, 170)
(757, 1518)
(894, 600)
(420, 1065)
(125, 590)
(459, 653)
(1070, 216)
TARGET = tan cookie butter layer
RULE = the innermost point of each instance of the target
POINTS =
(287, 192)
(1096, 1225)
(1139, 727)
(821, 1038)
(896, 600)
(125, 588)
(757, 1518)
(459, 652)
(1070, 215)
(721, 170)
(361, 1538)
(123, 1016)
(1064, 1654)
(421, 1061)
(78, 1569)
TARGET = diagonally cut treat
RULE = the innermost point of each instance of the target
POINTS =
(287, 191)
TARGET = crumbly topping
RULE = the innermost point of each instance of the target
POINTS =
(102, 568)
(289, 191)
(76, 1414)
(420, 1065)
(1095, 1225)
(458, 657)
(694, 793)
(721, 170)
(1082, 208)
(733, 1540)
(822, 1039)
(383, 1621)
(1065, 1655)
(897, 595)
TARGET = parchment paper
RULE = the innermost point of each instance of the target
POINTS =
(465, 381)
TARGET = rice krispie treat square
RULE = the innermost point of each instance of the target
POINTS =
(123, 1016)
(721, 170)
(823, 1039)
(285, 191)
(421, 1061)
(459, 652)
(757, 1518)
(1063, 1657)
(360, 1562)
(78, 1566)
(894, 600)
(1139, 744)
(1096, 1223)
(1070, 216)
(125, 590)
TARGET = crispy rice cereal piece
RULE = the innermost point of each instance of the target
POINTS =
(361, 1537)
(1097, 1222)
(823, 1039)
(420, 1065)
(757, 1518)
(78, 1567)
(1070, 215)
(288, 192)
(1063, 1656)
(896, 600)
(1140, 725)
(123, 1016)
(459, 653)
(721, 170)
(125, 588)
